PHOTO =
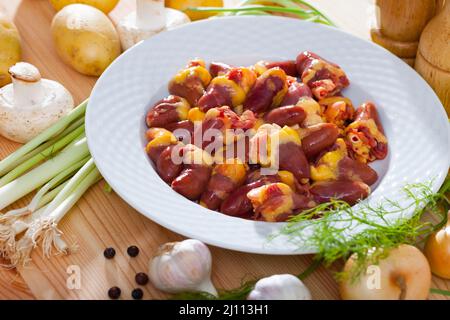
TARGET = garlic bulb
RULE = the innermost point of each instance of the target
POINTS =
(280, 287)
(182, 266)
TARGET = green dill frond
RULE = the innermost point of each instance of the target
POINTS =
(337, 230)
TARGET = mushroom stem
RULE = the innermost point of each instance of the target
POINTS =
(28, 90)
(150, 14)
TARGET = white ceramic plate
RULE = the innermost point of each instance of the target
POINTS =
(413, 118)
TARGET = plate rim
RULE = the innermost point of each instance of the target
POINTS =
(154, 217)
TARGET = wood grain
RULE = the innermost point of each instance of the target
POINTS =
(102, 219)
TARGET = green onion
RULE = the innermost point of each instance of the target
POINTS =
(254, 7)
(57, 162)
(48, 152)
(43, 228)
(38, 176)
(43, 196)
(440, 291)
(66, 191)
(58, 127)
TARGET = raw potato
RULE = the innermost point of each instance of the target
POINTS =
(10, 50)
(105, 5)
(85, 38)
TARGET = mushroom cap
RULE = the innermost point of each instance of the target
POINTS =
(21, 124)
(24, 71)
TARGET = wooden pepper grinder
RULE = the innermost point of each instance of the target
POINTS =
(400, 24)
(433, 56)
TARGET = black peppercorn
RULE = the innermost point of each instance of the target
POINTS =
(114, 293)
(137, 294)
(141, 278)
(133, 251)
(109, 253)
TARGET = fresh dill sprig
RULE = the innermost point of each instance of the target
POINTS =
(330, 228)
(385, 226)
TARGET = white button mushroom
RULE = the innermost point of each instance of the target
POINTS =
(30, 104)
(182, 266)
(280, 287)
(150, 18)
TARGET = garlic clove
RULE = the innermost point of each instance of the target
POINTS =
(182, 266)
(280, 287)
(208, 287)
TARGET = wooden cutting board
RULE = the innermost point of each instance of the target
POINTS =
(101, 219)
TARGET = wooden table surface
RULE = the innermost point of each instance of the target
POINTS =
(101, 219)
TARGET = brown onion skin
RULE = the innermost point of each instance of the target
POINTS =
(165, 167)
(192, 181)
(319, 140)
(286, 116)
(348, 191)
(293, 159)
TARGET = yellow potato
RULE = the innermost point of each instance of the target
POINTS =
(85, 38)
(184, 4)
(105, 5)
(10, 50)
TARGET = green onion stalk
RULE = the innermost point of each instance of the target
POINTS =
(57, 166)
(296, 8)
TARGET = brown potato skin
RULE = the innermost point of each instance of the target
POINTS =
(286, 116)
(319, 140)
(348, 191)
